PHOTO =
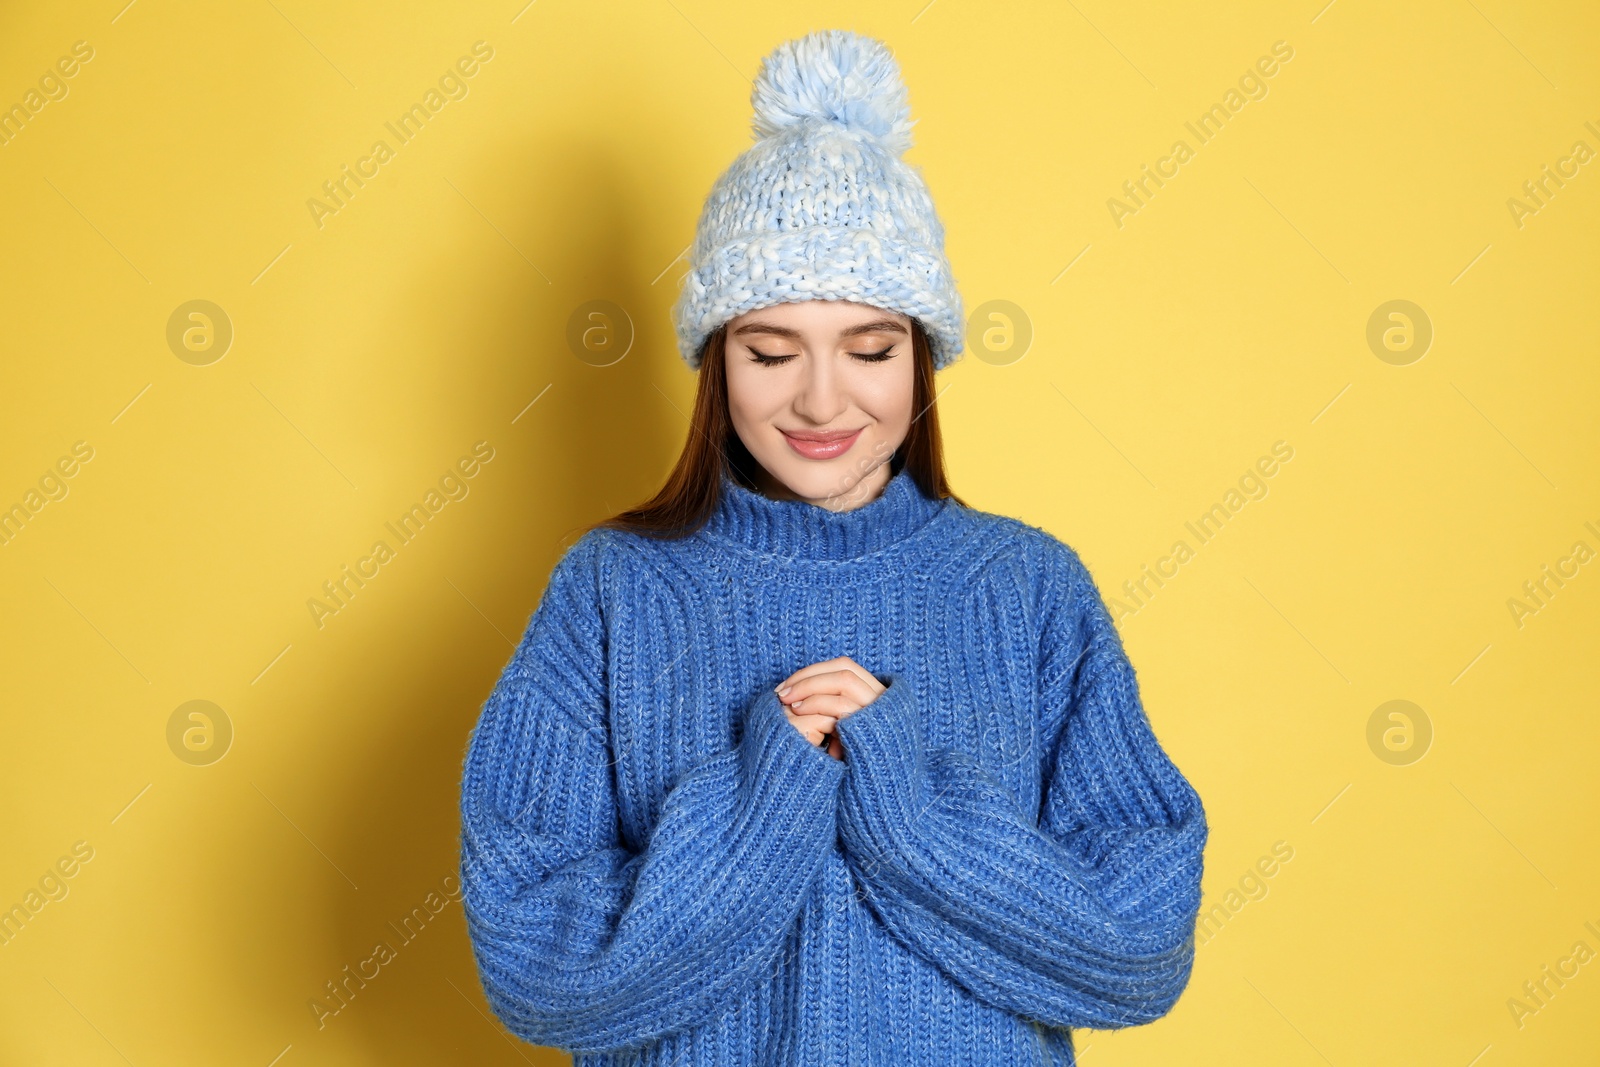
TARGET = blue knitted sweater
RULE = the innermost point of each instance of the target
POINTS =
(659, 869)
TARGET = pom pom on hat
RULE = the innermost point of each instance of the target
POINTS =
(835, 76)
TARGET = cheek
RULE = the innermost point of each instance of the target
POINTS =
(888, 399)
(754, 397)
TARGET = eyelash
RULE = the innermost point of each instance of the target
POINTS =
(866, 357)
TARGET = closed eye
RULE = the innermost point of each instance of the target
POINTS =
(874, 357)
(866, 357)
(770, 361)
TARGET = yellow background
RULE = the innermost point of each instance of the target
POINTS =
(372, 352)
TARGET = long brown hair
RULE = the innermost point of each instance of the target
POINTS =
(691, 491)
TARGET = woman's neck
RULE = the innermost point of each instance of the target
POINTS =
(862, 491)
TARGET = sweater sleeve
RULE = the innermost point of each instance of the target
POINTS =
(1080, 917)
(582, 943)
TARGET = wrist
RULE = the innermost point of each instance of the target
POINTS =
(885, 753)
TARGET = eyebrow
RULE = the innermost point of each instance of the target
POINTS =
(875, 326)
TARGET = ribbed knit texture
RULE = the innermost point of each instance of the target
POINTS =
(659, 869)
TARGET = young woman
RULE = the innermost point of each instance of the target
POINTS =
(805, 761)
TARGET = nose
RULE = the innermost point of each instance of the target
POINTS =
(821, 398)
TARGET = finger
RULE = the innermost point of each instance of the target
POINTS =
(827, 704)
(843, 683)
(813, 726)
(827, 666)
(861, 672)
(803, 672)
(818, 682)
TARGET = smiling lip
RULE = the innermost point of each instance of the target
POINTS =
(814, 445)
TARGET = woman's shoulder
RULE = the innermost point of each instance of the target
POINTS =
(996, 534)
(596, 552)
(1071, 610)
(605, 557)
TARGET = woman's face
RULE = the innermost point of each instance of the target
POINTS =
(802, 373)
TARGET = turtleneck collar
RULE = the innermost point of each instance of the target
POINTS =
(797, 529)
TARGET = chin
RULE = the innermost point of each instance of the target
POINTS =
(816, 479)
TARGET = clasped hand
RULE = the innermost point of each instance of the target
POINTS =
(815, 698)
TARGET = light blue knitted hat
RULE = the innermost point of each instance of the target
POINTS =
(822, 207)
